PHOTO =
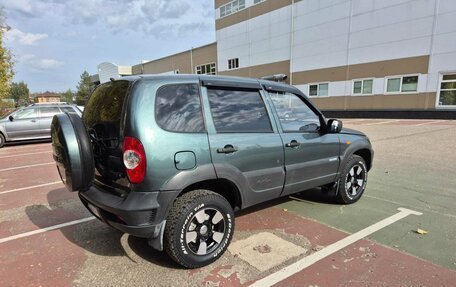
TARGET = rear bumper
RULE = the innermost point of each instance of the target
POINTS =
(140, 214)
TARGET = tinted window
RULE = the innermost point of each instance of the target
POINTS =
(49, 111)
(238, 111)
(25, 114)
(294, 114)
(67, 109)
(105, 104)
(178, 108)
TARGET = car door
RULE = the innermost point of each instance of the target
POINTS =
(46, 115)
(23, 124)
(311, 156)
(246, 148)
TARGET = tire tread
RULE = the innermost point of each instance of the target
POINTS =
(181, 207)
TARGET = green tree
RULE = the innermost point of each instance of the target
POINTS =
(20, 93)
(84, 88)
(67, 96)
(6, 61)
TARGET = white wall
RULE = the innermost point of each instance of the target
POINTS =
(106, 71)
(330, 33)
(260, 40)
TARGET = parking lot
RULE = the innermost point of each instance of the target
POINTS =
(47, 238)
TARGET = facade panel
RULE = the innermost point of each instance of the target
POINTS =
(364, 54)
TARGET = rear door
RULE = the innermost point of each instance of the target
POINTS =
(46, 115)
(245, 147)
(311, 156)
(24, 124)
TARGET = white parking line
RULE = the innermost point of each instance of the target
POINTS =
(12, 148)
(384, 122)
(23, 154)
(29, 187)
(26, 166)
(428, 123)
(330, 249)
(42, 230)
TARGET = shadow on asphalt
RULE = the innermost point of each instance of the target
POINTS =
(27, 142)
(100, 239)
(310, 196)
(94, 236)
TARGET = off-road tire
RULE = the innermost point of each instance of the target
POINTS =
(346, 194)
(180, 217)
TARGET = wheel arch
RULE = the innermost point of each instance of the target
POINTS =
(366, 154)
(224, 187)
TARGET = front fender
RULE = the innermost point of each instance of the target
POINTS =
(351, 144)
(3, 132)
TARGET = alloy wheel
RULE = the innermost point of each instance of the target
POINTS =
(354, 180)
(205, 231)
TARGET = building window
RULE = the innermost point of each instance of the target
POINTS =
(233, 63)
(206, 69)
(318, 90)
(363, 87)
(447, 95)
(231, 7)
(257, 1)
(402, 84)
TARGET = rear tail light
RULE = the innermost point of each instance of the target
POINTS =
(134, 159)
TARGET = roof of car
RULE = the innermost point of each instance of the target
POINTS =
(228, 79)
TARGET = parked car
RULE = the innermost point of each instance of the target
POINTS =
(170, 158)
(32, 122)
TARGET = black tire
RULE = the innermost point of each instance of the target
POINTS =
(2, 140)
(72, 151)
(353, 180)
(183, 224)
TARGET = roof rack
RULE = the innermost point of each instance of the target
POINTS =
(49, 103)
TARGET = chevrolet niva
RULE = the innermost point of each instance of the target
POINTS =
(170, 158)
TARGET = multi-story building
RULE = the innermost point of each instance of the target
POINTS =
(347, 55)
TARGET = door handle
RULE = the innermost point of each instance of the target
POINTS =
(293, 144)
(227, 149)
(33, 121)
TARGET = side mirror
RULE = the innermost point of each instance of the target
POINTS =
(335, 126)
(11, 118)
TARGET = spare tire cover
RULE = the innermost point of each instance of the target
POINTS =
(72, 151)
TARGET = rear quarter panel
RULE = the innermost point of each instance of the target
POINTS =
(161, 146)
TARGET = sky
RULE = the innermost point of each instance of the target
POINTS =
(54, 41)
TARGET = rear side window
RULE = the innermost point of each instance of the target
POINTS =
(178, 108)
(47, 112)
(238, 111)
(105, 104)
(67, 109)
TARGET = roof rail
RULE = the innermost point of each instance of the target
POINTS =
(49, 103)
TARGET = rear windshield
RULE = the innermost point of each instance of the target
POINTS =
(105, 104)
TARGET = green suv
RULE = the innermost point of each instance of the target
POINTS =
(170, 158)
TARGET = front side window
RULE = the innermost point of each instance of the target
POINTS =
(402, 84)
(447, 96)
(29, 113)
(294, 114)
(47, 112)
(238, 111)
(318, 90)
(363, 87)
(178, 108)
